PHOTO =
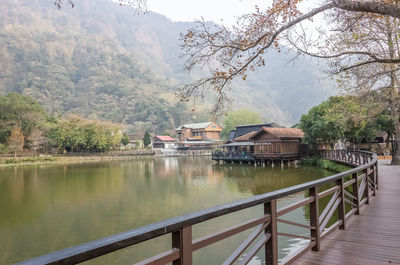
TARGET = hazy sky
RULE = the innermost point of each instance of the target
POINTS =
(215, 10)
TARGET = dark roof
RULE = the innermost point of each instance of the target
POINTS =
(231, 135)
(246, 137)
(282, 133)
(244, 129)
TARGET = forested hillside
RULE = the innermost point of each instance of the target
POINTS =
(102, 61)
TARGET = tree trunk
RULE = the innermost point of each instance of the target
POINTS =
(393, 100)
(396, 145)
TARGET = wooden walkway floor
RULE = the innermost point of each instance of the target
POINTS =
(373, 237)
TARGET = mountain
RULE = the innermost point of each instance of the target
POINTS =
(101, 60)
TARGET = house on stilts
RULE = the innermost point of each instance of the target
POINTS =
(266, 145)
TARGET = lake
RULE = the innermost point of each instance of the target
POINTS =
(44, 208)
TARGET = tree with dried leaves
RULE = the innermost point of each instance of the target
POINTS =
(350, 51)
(232, 52)
(357, 55)
(38, 140)
(16, 140)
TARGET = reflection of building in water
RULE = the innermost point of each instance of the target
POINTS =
(166, 166)
(199, 170)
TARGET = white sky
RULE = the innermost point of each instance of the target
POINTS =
(214, 10)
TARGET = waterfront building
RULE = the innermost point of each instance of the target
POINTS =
(199, 131)
(163, 142)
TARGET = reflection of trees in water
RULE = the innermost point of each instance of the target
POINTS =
(265, 179)
(35, 188)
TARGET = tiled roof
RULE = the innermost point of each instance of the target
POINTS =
(201, 125)
(246, 137)
(283, 133)
(165, 138)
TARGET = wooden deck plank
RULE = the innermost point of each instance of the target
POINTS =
(373, 237)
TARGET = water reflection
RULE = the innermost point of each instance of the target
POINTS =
(44, 208)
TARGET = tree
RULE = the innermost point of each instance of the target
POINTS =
(239, 117)
(146, 139)
(231, 52)
(318, 127)
(125, 139)
(21, 111)
(342, 117)
(75, 133)
(351, 53)
(16, 140)
(355, 41)
(37, 139)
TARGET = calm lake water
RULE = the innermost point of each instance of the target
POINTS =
(44, 208)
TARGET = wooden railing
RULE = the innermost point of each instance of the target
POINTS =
(349, 191)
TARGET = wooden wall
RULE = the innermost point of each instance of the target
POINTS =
(277, 148)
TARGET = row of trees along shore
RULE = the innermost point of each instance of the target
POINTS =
(25, 124)
(347, 119)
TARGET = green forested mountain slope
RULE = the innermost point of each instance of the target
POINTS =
(102, 61)
(70, 70)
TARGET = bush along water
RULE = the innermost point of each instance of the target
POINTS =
(325, 164)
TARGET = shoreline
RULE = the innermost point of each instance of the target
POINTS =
(86, 159)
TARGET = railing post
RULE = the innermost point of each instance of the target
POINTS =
(374, 179)
(341, 207)
(271, 246)
(314, 219)
(376, 175)
(182, 240)
(366, 190)
(355, 193)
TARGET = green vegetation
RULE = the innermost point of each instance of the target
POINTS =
(317, 125)
(239, 117)
(146, 139)
(125, 139)
(77, 134)
(70, 69)
(325, 164)
(25, 125)
(19, 112)
(30, 160)
(345, 118)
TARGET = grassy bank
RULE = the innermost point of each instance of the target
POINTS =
(325, 164)
(23, 160)
(7, 161)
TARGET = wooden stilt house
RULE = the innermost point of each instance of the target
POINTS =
(277, 143)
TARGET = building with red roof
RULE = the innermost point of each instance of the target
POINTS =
(163, 142)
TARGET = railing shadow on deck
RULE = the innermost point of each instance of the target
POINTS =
(352, 188)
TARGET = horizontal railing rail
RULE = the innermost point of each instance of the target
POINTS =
(352, 188)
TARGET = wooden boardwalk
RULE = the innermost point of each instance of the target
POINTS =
(373, 237)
